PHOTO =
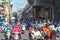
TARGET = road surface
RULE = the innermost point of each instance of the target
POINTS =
(1, 34)
(25, 36)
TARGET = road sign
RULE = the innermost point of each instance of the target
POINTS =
(5, 3)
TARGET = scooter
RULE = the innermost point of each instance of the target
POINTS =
(58, 37)
(16, 35)
(23, 29)
(8, 35)
(38, 38)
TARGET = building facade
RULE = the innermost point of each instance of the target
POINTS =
(1, 9)
(47, 9)
(27, 13)
(5, 9)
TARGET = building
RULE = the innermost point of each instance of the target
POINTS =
(5, 9)
(19, 12)
(1, 9)
(47, 9)
(27, 13)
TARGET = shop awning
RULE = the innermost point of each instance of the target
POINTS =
(39, 5)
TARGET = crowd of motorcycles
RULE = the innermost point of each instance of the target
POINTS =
(9, 31)
(14, 32)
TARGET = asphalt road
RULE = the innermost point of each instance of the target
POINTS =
(1, 35)
(24, 36)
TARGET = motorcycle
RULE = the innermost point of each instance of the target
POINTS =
(57, 36)
(38, 38)
(8, 35)
(23, 29)
(16, 36)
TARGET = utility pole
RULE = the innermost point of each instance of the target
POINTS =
(17, 12)
(34, 10)
(53, 10)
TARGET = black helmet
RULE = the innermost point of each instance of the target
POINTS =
(47, 24)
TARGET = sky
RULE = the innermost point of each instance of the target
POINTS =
(18, 3)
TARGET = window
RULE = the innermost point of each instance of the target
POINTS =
(2, 5)
(46, 9)
(1, 13)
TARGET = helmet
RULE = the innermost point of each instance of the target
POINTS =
(44, 20)
(32, 25)
(47, 24)
(17, 25)
(36, 26)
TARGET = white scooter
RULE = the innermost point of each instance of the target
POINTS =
(8, 34)
(23, 28)
(38, 38)
(16, 36)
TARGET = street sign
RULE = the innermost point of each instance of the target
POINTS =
(5, 3)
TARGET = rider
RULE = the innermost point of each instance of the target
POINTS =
(52, 28)
(18, 23)
(7, 29)
(30, 30)
(46, 30)
(4, 25)
(23, 25)
(16, 29)
(58, 31)
(58, 28)
(36, 34)
(40, 24)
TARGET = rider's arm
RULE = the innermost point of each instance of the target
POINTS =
(56, 29)
(39, 33)
(11, 27)
(5, 29)
(32, 34)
